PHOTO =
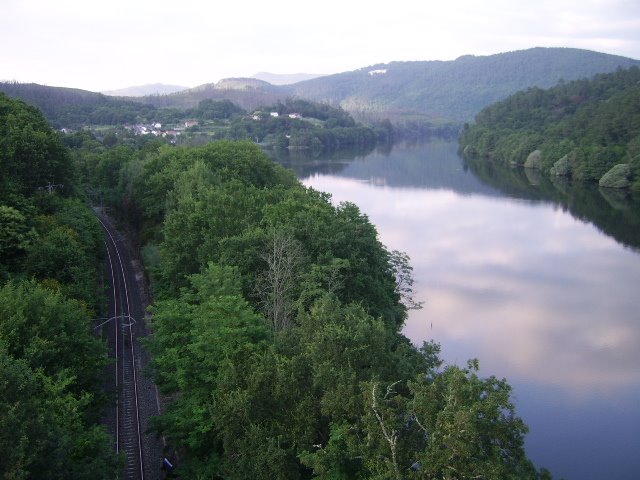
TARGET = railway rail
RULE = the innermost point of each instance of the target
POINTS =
(135, 396)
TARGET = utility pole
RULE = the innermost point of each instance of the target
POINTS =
(50, 187)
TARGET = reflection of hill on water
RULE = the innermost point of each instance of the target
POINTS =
(437, 165)
(306, 163)
(616, 213)
(434, 165)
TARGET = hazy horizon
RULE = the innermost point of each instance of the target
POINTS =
(97, 46)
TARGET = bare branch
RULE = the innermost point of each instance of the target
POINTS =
(392, 437)
(274, 287)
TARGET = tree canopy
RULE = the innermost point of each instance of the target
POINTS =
(277, 334)
(277, 324)
(50, 360)
(579, 130)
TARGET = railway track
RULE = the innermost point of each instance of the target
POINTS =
(135, 396)
(127, 435)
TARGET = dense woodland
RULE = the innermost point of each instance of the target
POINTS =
(276, 320)
(320, 128)
(585, 130)
(452, 91)
(418, 98)
(51, 250)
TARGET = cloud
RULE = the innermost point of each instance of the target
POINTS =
(193, 42)
(536, 294)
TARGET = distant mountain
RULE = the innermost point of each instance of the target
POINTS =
(246, 92)
(72, 107)
(48, 98)
(428, 91)
(142, 90)
(286, 78)
(453, 90)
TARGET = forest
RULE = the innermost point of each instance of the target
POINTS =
(585, 130)
(317, 126)
(445, 92)
(51, 253)
(277, 320)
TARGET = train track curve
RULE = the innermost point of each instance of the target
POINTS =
(135, 396)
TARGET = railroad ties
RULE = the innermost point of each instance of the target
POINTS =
(126, 422)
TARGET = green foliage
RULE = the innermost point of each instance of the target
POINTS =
(14, 232)
(452, 91)
(300, 124)
(216, 110)
(66, 247)
(31, 154)
(582, 128)
(276, 333)
(50, 332)
(470, 427)
(74, 108)
(50, 361)
(43, 235)
(49, 382)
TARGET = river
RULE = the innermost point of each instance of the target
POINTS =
(538, 280)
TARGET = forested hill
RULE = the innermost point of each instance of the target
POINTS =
(434, 92)
(70, 107)
(248, 93)
(142, 90)
(453, 90)
(587, 130)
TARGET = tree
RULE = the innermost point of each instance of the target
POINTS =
(50, 367)
(31, 154)
(469, 426)
(403, 271)
(51, 333)
(15, 234)
(275, 286)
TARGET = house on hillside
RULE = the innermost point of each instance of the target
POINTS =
(295, 115)
(190, 123)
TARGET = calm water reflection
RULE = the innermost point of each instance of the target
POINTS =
(539, 296)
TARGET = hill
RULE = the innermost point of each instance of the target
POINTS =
(248, 93)
(585, 130)
(142, 90)
(410, 94)
(286, 78)
(72, 107)
(453, 90)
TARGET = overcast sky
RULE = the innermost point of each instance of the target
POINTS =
(118, 43)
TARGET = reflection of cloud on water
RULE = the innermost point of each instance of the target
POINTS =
(532, 292)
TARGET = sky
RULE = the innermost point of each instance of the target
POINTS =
(98, 45)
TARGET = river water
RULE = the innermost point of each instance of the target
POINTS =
(538, 280)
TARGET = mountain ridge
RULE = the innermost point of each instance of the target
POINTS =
(453, 90)
(431, 92)
(286, 78)
(143, 90)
